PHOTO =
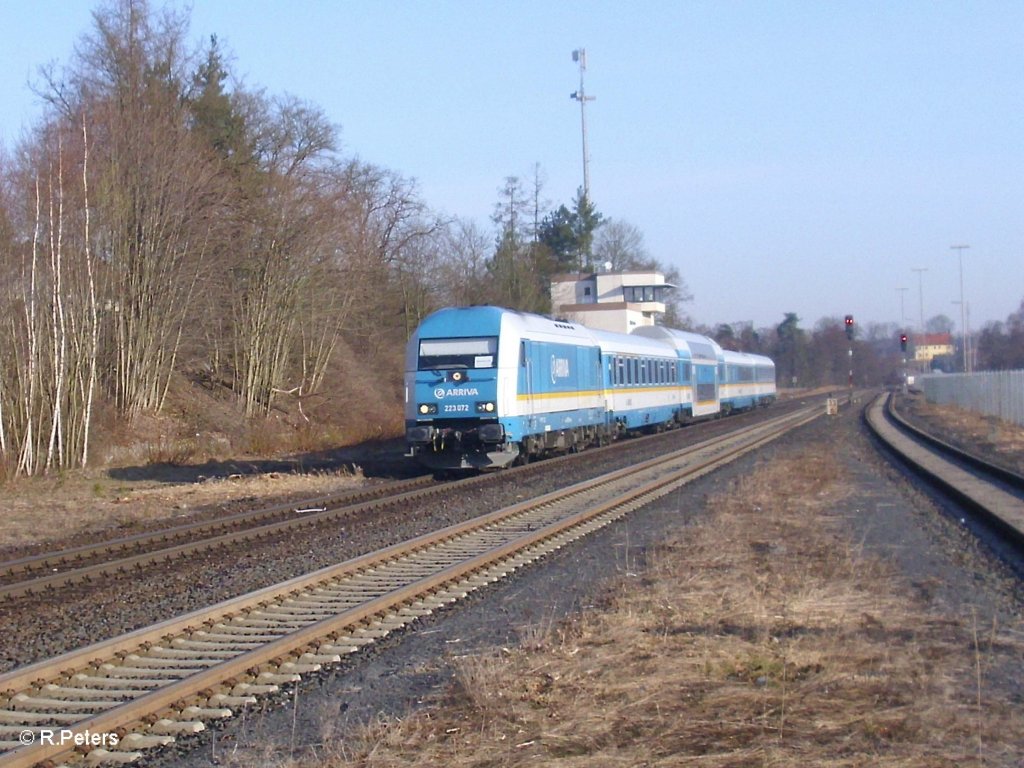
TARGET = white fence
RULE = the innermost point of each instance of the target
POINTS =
(995, 393)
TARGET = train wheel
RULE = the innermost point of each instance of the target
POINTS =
(524, 455)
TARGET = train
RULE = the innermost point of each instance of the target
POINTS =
(488, 387)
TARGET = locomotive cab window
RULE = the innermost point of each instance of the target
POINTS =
(458, 353)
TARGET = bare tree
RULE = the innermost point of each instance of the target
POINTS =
(47, 380)
(282, 240)
(620, 244)
(155, 195)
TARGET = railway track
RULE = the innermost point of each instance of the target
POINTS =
(39, 573)
(42, 573)
(108, 702)
(993, 493)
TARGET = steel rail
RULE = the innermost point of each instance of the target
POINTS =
(987, 499)
(47, 561)
(63, 568)
(1004, 475)
(531, 524)
(75, 659)
(122, 565)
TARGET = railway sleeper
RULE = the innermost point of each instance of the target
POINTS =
(168, 727)
(37, 718)
(287, 625)
(340, 650)
(320, 658)
(396, 621)
(341, 592)
(237, 637)
(277, 678)
(371, 633)
(16, 730)
(206, 713)
(114, 670)
(184, 654)
(348, 640)
(229, 700)
(134, 741)
(101, 756)
(227, 643)
(24, 701)
(152, 662)
(415, 612)
(412, 569)
(299, 611)
(254, 689)
(98, 681)
(63, 691)
(320, 602)
(239, 629)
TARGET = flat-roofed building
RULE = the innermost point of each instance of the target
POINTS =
(610, 301)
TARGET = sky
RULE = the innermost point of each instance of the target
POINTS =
(797, 157)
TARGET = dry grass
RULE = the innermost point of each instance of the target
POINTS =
(65, 508)
(1002, 438)
(763, 639)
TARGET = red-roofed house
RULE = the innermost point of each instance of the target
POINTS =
(928, 346)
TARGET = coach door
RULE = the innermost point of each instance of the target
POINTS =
(705, 389)
(526, 384)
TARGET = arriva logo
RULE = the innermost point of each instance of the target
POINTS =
(441, 393)
(559, 368)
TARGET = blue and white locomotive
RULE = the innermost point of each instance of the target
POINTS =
(486, 387)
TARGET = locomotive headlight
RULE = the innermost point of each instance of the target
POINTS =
(485, 407)
(426, 408)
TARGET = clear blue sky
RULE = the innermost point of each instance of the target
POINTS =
(786, 156)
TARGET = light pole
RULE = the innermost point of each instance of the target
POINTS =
(903, 334)
(963, 307)
(920, 290)
(580, 56)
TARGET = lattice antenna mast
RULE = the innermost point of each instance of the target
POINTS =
(580, 56)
